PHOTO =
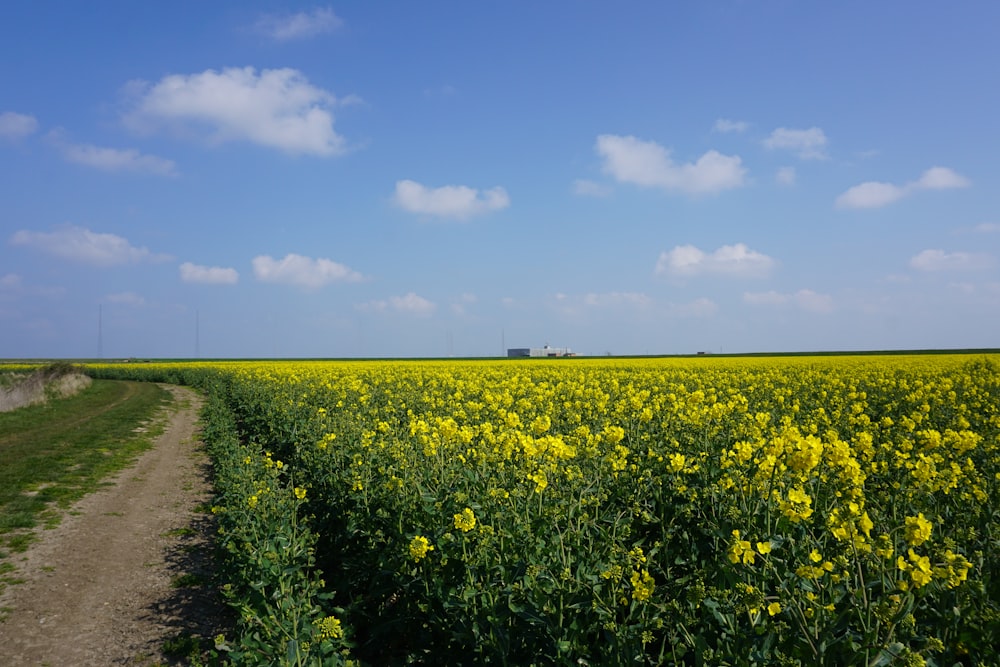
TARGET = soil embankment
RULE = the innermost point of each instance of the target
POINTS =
(58, 381)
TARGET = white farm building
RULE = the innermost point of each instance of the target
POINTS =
(546, 351)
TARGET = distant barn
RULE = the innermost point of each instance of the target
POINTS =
(546, 351)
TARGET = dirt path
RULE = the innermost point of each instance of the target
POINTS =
(102, 588)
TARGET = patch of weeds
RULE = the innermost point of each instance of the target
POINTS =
(114, 514)
(187, 581)
(19, 543)
(180, 532)
(186, 646)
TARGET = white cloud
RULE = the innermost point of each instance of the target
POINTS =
(410, 303)
(283, 28)
(807, 144)
(277, 108)
(449, 201)
(208, 275)
(988, 227)
(785, 176)
(82, 245)
(872, 194)
(646, 163)
(16, 125)
(113, 159)
(939, 260)
(734, 260)
(636, 299)
(875, 194)
(726, 125)
(940, 178)
(586, 188)
(126, 299)
(302, 271)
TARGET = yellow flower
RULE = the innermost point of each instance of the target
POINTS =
(764, 548)
(419, 546)
(774, 608)
(300, 493)
(918, 529)
(642, 585)
(465, 520)
(329, 628)
(918, 566)
(740, 550)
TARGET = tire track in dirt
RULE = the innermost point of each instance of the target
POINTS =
(100, 589)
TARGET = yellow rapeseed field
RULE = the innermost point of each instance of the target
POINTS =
(788, 510)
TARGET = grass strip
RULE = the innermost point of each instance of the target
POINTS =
(53, 454)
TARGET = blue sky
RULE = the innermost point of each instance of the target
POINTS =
(247, 179)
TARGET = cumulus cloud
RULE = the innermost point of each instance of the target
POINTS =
(875, 194)
(302, 271)
(725, 125)
(277, 108)
(410, 303)
(940, 178)
(208, 275)
(729, 260)
(16, 125)
(939, 260)
(872, 194)
(449, 201)
(646, 163)
(82, 245)
(636, 299)
(785, 176)
(807, 144)
(126, 299)
(804, 299)
(302, 25)
(112, 159)
(586, 188)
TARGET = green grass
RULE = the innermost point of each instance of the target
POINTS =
(51, 455)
